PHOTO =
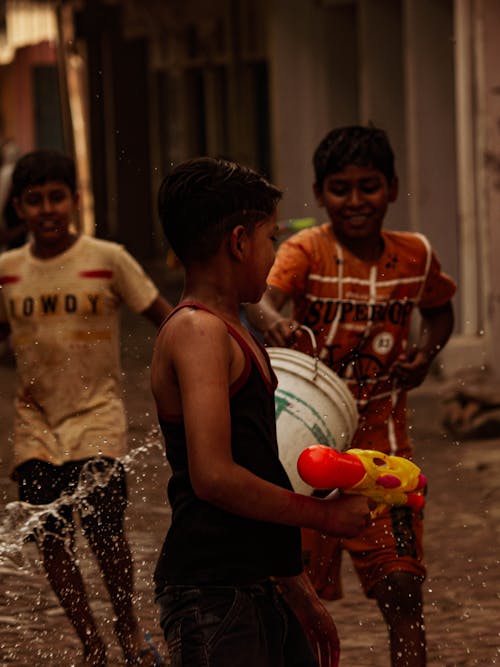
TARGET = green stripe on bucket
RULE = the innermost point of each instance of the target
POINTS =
(284, 401)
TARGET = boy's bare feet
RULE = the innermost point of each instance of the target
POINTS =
(145, 658)
(138, 649)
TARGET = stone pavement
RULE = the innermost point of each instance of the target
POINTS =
(462, 592)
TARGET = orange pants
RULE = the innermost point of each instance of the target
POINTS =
(392, 542)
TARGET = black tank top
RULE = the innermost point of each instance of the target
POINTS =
(205, 544)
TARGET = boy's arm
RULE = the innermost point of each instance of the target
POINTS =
(157, 311)
(435, 329)
(313, 616)
(202, 356)
(266, 317)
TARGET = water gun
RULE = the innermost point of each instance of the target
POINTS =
(389, 480)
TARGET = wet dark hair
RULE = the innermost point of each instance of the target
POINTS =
(40, 167)
(200, 201)
(354, 144)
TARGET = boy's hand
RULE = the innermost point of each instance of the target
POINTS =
(347, 515)
(314, 617)
(411, 368)
(282, 332)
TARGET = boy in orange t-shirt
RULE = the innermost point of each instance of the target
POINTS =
(356, 286)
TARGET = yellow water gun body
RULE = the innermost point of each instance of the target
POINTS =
(389, 480)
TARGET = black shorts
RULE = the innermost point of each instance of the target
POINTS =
(95, 487)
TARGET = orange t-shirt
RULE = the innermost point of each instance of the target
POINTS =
(360, 314)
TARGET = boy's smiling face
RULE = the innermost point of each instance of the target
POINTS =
(48, 209)
(356, 200)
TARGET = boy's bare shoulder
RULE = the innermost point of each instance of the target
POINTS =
(193, 326)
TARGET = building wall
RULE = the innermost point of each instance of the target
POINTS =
(430, 142)
(425, 71)
(489, 22)
(376, 61)
(477, 54)
(382, 90)
(17, 93)
(300, 99)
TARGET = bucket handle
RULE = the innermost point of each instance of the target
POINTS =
(314, 344)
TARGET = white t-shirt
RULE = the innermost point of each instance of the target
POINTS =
(64, 317)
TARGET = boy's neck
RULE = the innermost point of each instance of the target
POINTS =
(367, 250)
(48, 251)
(213, 296)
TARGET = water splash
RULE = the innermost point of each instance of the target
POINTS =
(20, 521)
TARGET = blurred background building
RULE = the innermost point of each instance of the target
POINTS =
(131, 87)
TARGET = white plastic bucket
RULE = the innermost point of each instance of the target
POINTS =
(313, 406)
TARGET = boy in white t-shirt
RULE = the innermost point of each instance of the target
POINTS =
(60, 296)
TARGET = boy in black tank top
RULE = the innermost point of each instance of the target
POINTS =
(229, 579)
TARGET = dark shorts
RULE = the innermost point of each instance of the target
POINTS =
(96, 488)
(222, 626)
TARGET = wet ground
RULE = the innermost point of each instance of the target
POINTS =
(462, 592)
(462, 529)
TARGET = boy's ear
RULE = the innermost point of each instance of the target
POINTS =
(393, 189)
(237, 241)
(318, 193)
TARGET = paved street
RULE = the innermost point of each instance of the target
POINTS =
(462, 593)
